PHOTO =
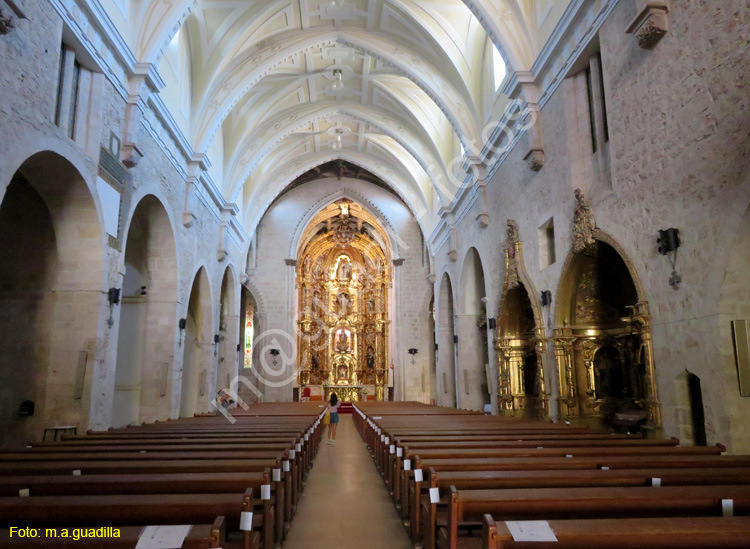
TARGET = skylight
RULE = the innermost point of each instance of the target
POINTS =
(498, 66)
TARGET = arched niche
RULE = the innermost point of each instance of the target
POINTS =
(603, 338)
(520, 339)
(51, 297)
(148, 315)
(520, 346)
(198, 349)
(446, 346)
(472, 385)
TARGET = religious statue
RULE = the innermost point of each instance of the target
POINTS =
(511, 262)
(584, 225)
(371, 358)
(344, 227)
(315, 362)
(371, 305)
(343, 303)
(345, 270)
(306, 266)
(318, 268)
(342, 345)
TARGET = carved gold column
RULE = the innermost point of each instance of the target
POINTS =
(564, 356)
(504, 389)
(642, 320)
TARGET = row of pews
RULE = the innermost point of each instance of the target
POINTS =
(236, 484)
(465, 480)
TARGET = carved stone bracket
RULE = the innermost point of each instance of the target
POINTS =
(651, 23)
(398, 262)
(584, 224)
(290, 262)
(534, 158)
(143, 81)
(480, 174)
(197, 165)
(131, 154)
(512, 248)
(8, 20)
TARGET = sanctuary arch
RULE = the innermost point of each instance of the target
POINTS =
(344, 278)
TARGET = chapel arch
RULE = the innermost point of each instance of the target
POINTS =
(446, 346)
(148, 315)
(198, 349)
(471, 387)
(50, 297)
(603, 338)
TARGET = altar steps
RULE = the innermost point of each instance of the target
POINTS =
(346, 408)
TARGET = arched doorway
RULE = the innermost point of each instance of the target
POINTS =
(603, 339)
(229, 328)
(472, 390)
(344, 276)
(446, 347)
(145, 345)
(198, 349)
(50, 297)
(689, 410)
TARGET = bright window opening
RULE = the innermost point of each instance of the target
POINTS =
(498, 66)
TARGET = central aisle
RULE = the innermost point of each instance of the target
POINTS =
(345, 503)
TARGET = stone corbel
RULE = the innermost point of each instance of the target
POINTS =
(144, 81)
(449, 217)
(8, 20)
(534, 157)
(244, 278)
(226, 214)
(398, 261)
(651, 23)
(480, 184)
(197, 165)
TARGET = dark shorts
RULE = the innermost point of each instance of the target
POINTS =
(334, 417)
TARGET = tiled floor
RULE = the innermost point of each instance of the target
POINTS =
(345, 503)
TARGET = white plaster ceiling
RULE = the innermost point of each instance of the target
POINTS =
(417, 84)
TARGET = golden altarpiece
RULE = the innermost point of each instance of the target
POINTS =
(602, 342)
(520, 339)
(343, 280)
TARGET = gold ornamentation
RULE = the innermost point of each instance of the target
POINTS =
(511, 261)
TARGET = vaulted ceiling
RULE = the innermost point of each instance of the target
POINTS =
(253, 84)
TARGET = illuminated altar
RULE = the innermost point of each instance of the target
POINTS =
(343, 279)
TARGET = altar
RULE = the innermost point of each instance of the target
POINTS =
(345, 393)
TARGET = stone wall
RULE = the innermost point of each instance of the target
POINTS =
(28, 91)
(678, 117)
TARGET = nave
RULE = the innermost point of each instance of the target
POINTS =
(439, 478)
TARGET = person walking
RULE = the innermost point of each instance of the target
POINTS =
(333, 410)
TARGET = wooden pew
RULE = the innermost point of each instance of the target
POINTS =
(201, 536)
(628, 533)
(132, 510)
(467, 507)
(424, 518)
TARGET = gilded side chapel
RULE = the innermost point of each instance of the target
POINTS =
(531, 208)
